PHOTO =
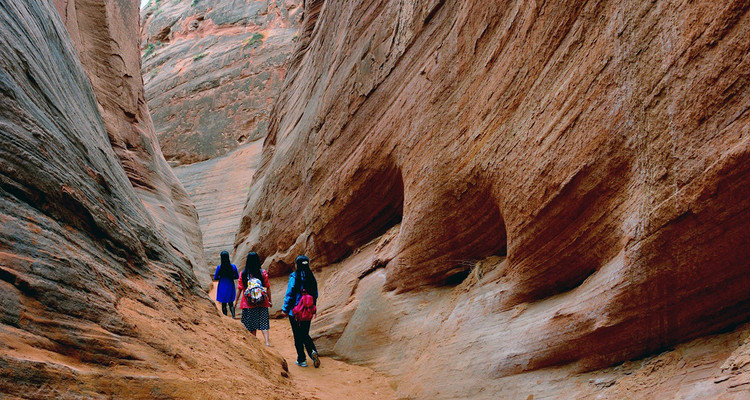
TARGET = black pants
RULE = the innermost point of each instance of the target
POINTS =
(224, 308)
(302, 339)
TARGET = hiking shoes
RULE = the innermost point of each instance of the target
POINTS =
(315, 358)
(301, 364)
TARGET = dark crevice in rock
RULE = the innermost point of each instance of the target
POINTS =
(309, 22)
(574, 282)
(375, 205)
(434, 11)
(457, 277)
(502, 252)
(376, 265)
(163, 35)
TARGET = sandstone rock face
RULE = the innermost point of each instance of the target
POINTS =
(106, 38)
(219, 189)
(511, 186)
(212, 70)
(99, 298)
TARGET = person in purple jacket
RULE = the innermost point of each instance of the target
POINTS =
(226, 273)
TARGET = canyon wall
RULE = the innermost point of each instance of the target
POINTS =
(496, 189)
(212, 70)
(98, 240)
(105, 36)
(219, 188)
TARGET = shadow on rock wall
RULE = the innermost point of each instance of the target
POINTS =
(99, 298)
(599, 148)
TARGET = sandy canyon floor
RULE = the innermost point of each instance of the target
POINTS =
(334, 380)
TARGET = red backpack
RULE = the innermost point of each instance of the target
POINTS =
(305, 309)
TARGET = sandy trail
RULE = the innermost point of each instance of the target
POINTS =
(334, 380)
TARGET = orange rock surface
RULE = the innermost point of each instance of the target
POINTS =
(98, 240)
(105, 36)
(506, 187)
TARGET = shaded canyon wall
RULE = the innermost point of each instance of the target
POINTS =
(98, 240)
(107, 43)
(572, 178)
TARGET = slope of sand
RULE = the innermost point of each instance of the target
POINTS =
(334, 380)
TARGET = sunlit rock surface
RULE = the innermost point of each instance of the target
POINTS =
(503, 187)
(98, 241)
(212, 71)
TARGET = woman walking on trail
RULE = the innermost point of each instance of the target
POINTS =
(254, 314)
(301, 283)
(226, 273)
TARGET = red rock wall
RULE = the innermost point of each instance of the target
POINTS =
(212, 70)
(105, 35)
(99, 299)
(590, 155)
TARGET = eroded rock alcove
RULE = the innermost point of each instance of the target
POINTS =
(511, 192)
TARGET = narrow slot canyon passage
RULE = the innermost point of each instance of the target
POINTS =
(498, 200)
(334, 380)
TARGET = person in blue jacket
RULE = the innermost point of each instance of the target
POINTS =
(226, 273)
(301, 278)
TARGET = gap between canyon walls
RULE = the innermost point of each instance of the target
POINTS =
(585, 160)
(212, 70)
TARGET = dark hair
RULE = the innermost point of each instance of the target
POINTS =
(225, 268)
(309, 283)
(252, 268)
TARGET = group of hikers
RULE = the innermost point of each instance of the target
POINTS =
(254, 297)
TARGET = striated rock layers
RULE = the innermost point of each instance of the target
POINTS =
(534, 184)
(212, 70)
(107, 44)
(98, 239)
(219, 188)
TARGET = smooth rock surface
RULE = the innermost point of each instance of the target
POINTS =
(212, 71)
(99, 297)
(577, 173)
(219, 188)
